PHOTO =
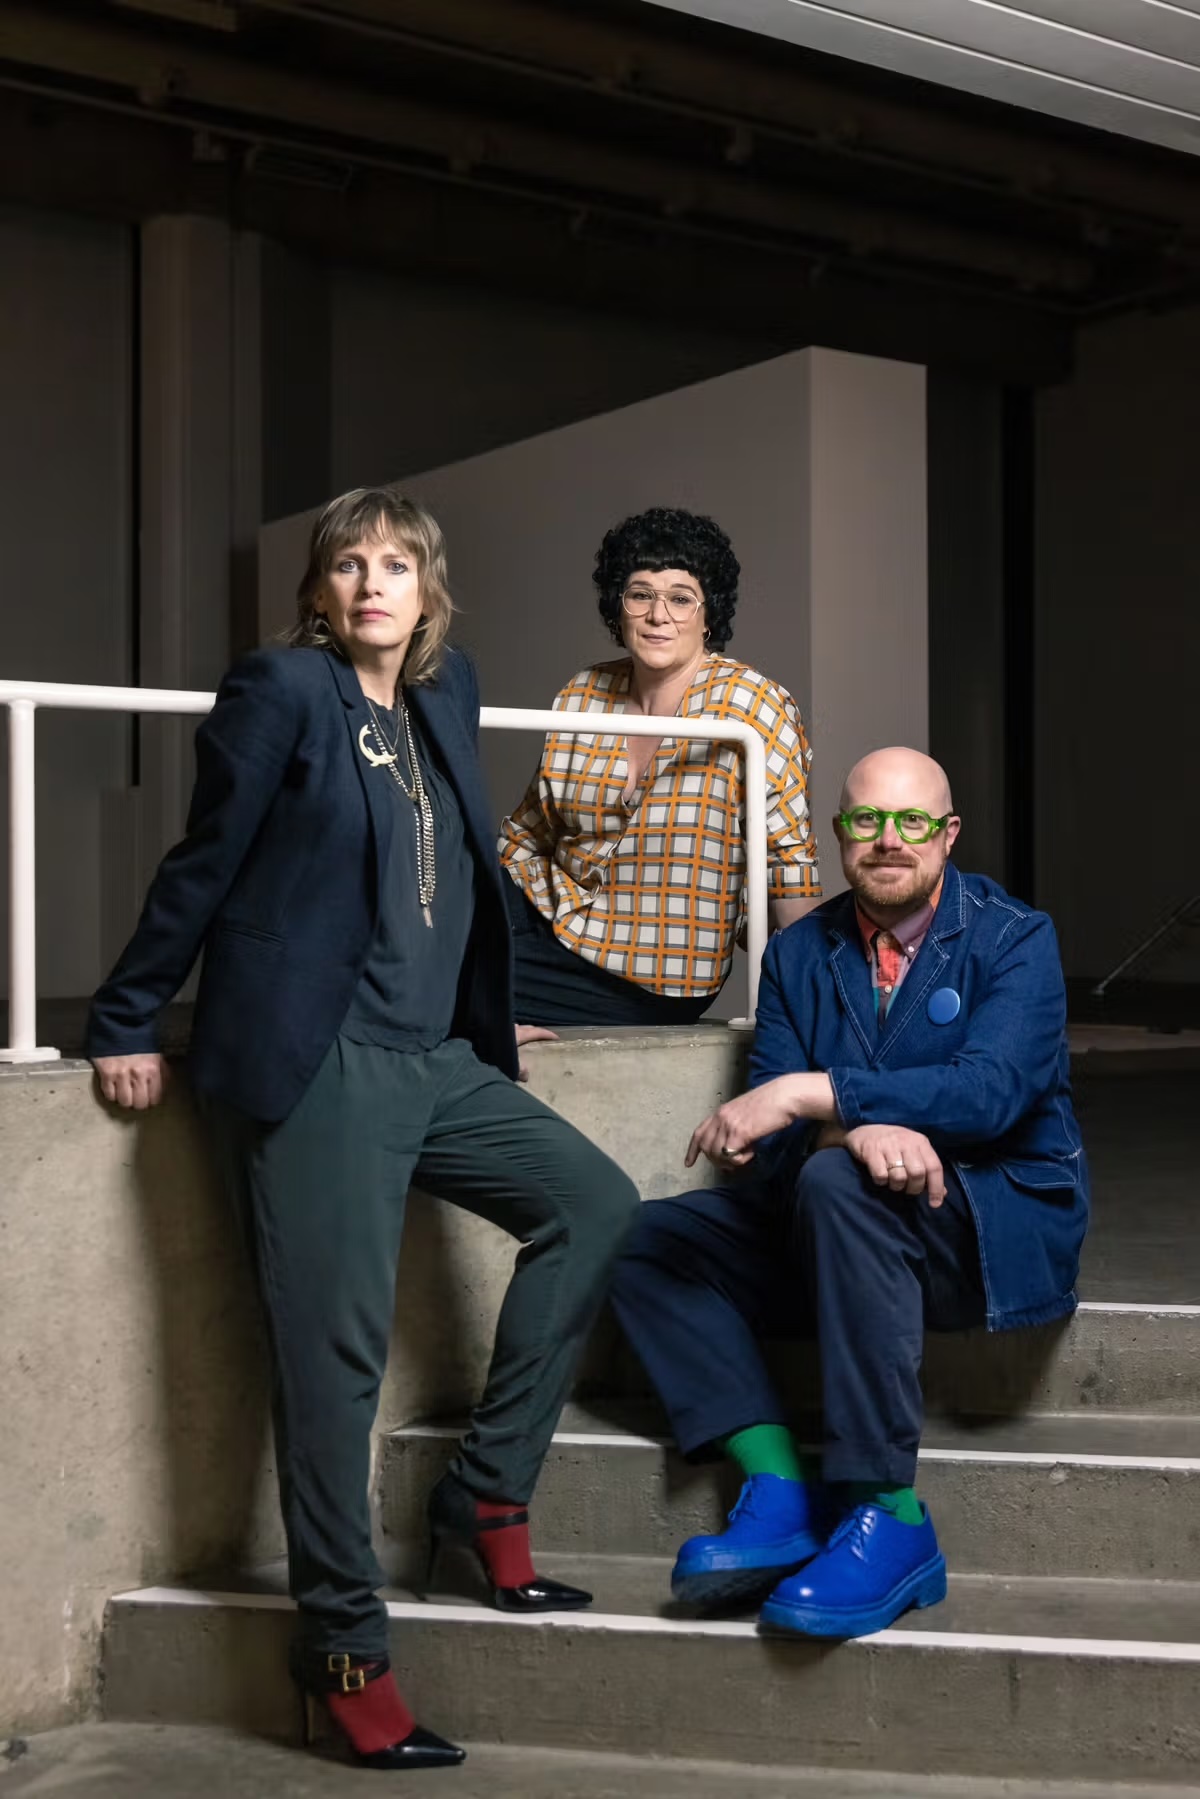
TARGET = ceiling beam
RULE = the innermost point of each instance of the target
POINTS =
(125, 166)
(744, 83)
(166, 72)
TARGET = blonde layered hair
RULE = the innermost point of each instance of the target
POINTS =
(378, 515)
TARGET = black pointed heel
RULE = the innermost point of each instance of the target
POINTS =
(319, 1677)
(453, 1522)
(437, 1543)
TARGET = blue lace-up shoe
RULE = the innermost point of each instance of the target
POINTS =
(872, 1569)
(775, 1526)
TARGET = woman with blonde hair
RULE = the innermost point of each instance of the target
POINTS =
(354, 1034)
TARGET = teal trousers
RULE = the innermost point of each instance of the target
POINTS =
(322, 1198)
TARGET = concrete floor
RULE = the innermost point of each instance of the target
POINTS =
(149, 1761)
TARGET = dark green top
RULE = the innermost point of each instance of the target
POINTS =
(406, 997)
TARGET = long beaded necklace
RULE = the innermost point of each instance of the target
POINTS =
(389, 757)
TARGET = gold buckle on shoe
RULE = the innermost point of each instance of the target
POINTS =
(353, 1679)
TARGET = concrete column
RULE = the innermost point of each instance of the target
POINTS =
(248, 448)
(968, 648)
(862, 466)
(200, 479)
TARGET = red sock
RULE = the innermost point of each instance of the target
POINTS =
(506, 1551)
(373, 1718)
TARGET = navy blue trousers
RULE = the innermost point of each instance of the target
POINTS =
(826, 1253)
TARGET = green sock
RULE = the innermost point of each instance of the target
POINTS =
(901, 1502)
(770, 1449)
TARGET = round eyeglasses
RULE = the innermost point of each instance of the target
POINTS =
(680, 604)
(866, 823)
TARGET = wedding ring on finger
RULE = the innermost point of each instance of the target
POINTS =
(900, 1164)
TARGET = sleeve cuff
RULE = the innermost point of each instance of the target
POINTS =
(794, 880)
(848, 1110)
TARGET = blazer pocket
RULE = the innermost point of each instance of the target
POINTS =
(250, 933)
(1037, 1177)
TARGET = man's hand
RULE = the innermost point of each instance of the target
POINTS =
(728, 1135)
(532, 1033)
(134, 1081)
(896, 1157)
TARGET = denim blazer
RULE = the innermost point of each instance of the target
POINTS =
(277, 881)
(990, 1086)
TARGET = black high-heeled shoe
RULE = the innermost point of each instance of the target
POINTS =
(453, 1522)
(361, 1711)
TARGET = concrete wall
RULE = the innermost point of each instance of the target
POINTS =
(66, 522)
(1118, 639)
(133, 1406)
(427, 373)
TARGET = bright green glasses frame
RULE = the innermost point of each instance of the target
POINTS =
(867, 823)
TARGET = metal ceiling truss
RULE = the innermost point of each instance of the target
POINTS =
(551, 107)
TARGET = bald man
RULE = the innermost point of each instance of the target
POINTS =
(906, 1159)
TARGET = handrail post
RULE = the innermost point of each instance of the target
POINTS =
(22, 887)
(755, 756)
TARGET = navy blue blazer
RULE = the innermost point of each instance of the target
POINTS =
(277, 880)
(990, 1086)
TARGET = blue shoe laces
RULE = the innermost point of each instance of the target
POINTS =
(744, 1503)
(853, 1527)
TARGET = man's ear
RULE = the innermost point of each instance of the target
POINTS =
(953, 827)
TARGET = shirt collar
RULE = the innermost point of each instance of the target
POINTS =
(909, 933)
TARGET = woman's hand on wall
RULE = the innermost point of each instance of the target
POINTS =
(134, 1081)
(532, 1033)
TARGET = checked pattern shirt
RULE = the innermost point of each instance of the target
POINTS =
(654, 891)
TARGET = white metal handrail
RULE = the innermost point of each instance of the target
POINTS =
(22, 698)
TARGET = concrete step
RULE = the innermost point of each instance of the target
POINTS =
(1034, 1679)
(146, 1761)
(1108, 1357)
(138, 1761)
(1079, 1494)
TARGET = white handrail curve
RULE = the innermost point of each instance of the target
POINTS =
(22, 699)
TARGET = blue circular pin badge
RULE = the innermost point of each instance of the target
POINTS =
(943, 1005)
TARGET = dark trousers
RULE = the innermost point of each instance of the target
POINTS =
(555, 986)
(827, 1254)
(322, 1196)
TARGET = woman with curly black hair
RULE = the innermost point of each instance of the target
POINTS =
(627, 855)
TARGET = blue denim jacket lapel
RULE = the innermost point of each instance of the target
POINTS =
(928, 964)
(852, 977)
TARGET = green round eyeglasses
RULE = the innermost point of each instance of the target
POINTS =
(866, 823)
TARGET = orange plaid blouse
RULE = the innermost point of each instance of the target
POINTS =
(654, 891)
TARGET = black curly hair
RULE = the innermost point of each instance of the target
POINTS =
(666, 537)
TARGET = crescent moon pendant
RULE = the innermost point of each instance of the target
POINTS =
(376, 760)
